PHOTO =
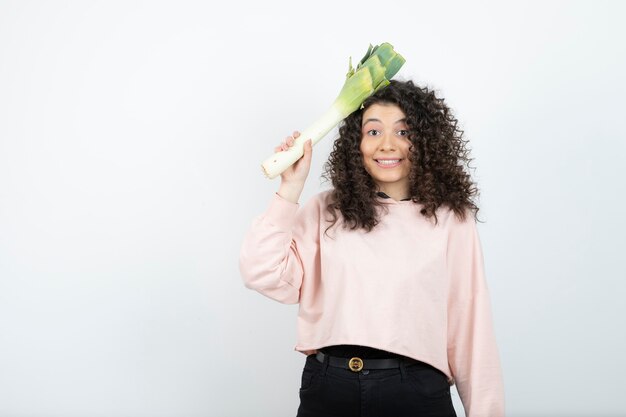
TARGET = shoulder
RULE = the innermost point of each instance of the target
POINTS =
(454, 222)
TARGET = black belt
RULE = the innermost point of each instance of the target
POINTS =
(356, 364)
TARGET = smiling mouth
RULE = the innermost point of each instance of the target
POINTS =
(388, 164)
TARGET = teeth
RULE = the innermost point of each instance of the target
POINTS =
(389, 162)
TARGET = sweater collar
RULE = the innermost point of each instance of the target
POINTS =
(383, 195)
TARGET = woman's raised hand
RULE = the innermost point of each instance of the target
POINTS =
(299, 171)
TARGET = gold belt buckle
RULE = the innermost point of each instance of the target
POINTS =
(355, 364)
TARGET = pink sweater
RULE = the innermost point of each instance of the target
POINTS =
(408, 287)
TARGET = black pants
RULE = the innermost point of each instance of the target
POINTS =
(412, 390)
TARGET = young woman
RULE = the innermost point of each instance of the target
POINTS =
(394, 306)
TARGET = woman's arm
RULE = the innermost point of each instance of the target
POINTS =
(282, 241)
(472, 350)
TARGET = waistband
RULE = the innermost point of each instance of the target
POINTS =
(357, 364)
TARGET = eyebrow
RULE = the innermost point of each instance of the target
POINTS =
(377, 120)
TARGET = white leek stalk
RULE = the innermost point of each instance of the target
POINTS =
(373, 72)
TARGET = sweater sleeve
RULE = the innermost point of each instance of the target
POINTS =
(280, 246)
(472, 351)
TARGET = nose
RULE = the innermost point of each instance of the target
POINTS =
(387, 142)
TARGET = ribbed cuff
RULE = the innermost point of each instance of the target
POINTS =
(281, 213)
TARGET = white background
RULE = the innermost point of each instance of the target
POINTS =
(131, 138)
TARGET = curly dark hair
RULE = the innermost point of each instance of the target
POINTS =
(437, 153)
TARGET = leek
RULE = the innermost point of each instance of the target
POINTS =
(372, 73)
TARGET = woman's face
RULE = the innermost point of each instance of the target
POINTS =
(385, 136)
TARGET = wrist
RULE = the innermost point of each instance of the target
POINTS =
(291, 191)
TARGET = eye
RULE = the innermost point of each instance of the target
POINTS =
(371, 130)
(403, 132)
